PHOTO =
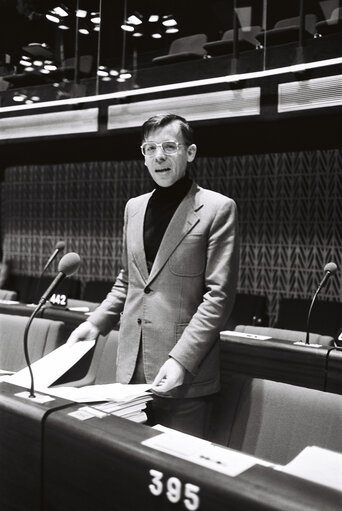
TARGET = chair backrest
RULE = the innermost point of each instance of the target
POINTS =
(286, 335)
(6, 294)
(276, 421)
(44, 336)
(248, 309)
(86, 63)
(309, 23)
(326, 317)
(189, 44)
(96, 290)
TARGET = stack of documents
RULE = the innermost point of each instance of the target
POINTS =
(132, 409)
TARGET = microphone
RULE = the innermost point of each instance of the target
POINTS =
(67, 266)
(59, 247)
(329, 269)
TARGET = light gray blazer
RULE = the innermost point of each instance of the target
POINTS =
(179, 308)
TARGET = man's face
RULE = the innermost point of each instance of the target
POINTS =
(167, 169)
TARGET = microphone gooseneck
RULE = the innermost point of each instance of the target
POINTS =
(67, 266)
(329, 269)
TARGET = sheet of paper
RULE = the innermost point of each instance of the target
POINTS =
(316, 464)
(51, 367)
(107, 392)
(231, 333)
(202, 452)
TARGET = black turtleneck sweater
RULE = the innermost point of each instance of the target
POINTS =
(160, 209)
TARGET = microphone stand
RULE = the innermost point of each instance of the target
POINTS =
(26, 353)
(307, 340)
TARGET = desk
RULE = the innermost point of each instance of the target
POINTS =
(21, 430)
(100, 464)
(277, 360)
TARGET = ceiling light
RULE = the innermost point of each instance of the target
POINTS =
(96, 28)
(61, 10)
(137, 34)
(52, 17)
(35, 98)
(171, 30)
(29, 101)
(153, 18)
(62, 26)
(106, 78)
(113, 72)
(135, 19)
(84, 31)
(19, 97)
(80, 13)
(44, 71)
(50, 67)
(102, 71)
(25, 62)
(30, 68)
(156, 35)
(95, 18)
(169, 21)
(38, 63)
(124, 74)
(128, 28)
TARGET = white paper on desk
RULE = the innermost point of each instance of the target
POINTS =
(118, 392)
(51, 367)
(193, 449)
(316, 464)
(232, 333)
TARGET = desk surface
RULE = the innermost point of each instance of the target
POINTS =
(101, 464)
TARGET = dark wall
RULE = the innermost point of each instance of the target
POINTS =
(289, 213)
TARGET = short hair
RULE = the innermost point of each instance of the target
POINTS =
(161, 120)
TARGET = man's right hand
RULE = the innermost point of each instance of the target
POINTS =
(85, 331)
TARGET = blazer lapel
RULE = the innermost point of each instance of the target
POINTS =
(137, 237)
(184, 219)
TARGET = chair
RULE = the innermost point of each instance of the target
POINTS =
(96, 290)
(287, 30)
(275, 421)
(331, 25)
(246, 41)
(184, 48)
(44, 336)
(283, 334)
(6, 294)
(326, 317)
(67, 70)
(99, 367)
(248, 309)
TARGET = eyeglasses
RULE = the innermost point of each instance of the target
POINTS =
(150, 148)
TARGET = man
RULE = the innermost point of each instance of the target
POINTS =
(177, 284)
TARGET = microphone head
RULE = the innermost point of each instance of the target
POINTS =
(330, 267)
(60, 245)
(69, 263)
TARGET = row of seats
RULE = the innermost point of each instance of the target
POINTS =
(249, 309)
(28, 289)
(251, 37)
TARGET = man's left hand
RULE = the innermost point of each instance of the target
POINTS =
(170, 375)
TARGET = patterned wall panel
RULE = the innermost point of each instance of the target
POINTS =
(290, 214)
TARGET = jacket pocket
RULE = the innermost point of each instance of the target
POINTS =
(188, 260)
